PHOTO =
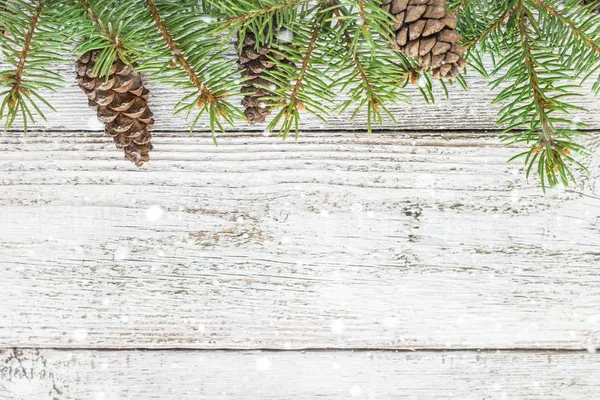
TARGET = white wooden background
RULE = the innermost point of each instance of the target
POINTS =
(413, 263)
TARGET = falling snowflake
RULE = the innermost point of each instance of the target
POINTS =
(263, 364)
(360, 21)
(389, 322)
(154, 213)
(355, 391)
(80, 335)
(337, 327)
(285, 36)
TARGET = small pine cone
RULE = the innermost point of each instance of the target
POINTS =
(255, 65)
(121, 102)
(426, 30)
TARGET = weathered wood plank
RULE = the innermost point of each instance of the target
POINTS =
(64, 375)
(470, 109)
(343, 240)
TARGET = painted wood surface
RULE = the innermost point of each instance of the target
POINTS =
(339, 241)
(161, 283)
(49, 375)
(468, 110)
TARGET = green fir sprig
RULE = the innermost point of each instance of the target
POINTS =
(333, 56)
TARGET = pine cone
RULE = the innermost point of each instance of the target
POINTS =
(425, 29)
(121, 102)
(256, 65)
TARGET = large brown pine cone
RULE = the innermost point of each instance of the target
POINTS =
(426, 30)
(122, 105)
(256, 64)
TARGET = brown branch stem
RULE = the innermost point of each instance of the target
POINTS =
(356, 58)
(535, 89)
(35, 18)
(497, 24)
(117, 46)
(205, 95)
(307, 57)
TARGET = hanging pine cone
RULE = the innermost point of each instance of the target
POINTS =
(256, 64)
(121, 102)
(426, 30)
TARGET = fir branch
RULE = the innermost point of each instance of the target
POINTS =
(18, 78)
(538, 97)
(199, 46)
(570, 25)
(206, 96)
(270, 10)
(368, 85)
(307, 58)
(116, 44)
(293, 102)
(458, 4)
(494, 26)
(30, 47)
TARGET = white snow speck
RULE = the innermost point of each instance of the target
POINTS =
(285, 36)
(201, 328)
(337, 327)
(124, 319)
(99, 396)
(104, 366)
(335, 365)
(370, 214)
(355, 391)
(360, 21)
(80, 335)
(285, 240)
(422, 82)
(390, 322)
(324, 213)
(106, 301)
(154, 213)
(263, 364)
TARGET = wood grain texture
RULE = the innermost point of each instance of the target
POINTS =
(470, 109)
(339, 241)
(65, 375)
